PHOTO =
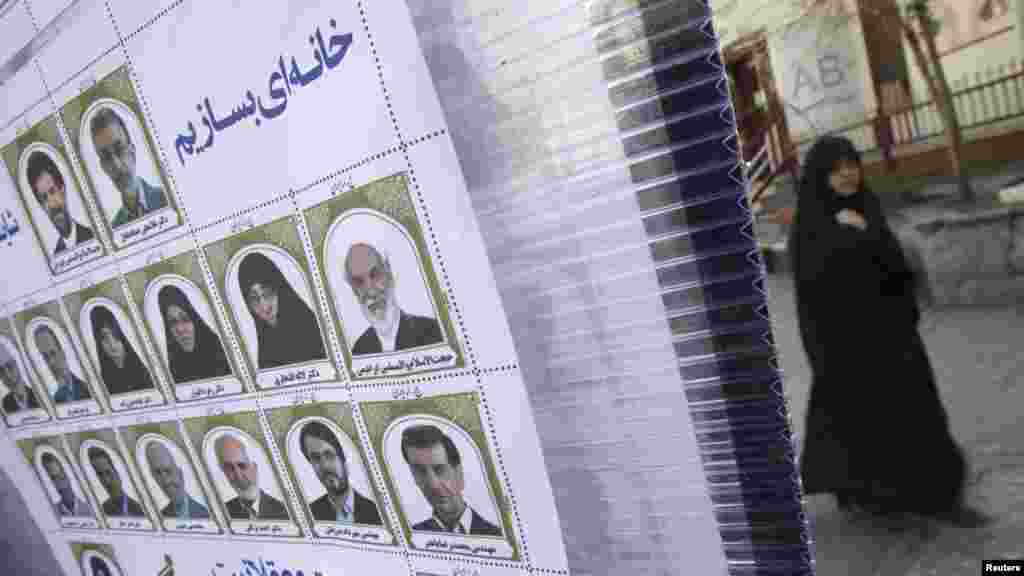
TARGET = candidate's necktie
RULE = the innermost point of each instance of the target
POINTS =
(248, 505)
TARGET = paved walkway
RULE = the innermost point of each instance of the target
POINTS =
(980, 372)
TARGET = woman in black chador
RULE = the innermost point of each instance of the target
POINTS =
(286, 328)
(120, 366)
(877, 434)
(194, 351)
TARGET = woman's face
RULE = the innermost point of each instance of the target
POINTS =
(112, 345)
(262, 299)
(845, 177)
(183, 330)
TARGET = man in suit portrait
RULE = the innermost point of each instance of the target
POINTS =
(342, 503)
(368, 272)
(171, 480)
(19, 396)
(70, 388)
(436, 467)
(243, 474)
(47, 184)
(116, 150)
(118, 503)
(69, 504)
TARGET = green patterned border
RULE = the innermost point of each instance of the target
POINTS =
(118, 86)
(44, 131)
(281, 233)
(187, 266)
(390, 196)
(78, 549)
(461, 409)
(109, 438)
(339, 413)
(51, 310)
(248, 422)
(112, 290)
(31, 378)
(170, 432)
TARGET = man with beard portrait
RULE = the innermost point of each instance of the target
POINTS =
(368, 272)
(47, 184)
(118, 503)
(242, 473)
(117, 152)
(171, 479)
(19, 396)
(342, 503)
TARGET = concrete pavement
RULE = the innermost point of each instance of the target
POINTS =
(976, 353)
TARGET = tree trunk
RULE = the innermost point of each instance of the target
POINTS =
(943, 98)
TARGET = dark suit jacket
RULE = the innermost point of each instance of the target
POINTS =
(11, 405)
(270, 508)
(413, 331)
(478, 527)
(364, 510)
(82, 233)
(83, 392)
(112, 507)
(199, 512)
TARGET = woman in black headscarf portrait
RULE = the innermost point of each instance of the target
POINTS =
(120, 366)
(194, 351)
(287, 331)
(877, 435)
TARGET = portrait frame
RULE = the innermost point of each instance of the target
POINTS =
(106, 441)
(44, 137)
(137, 438)
(26, 322)
(183, 271)
(203, 433)
(33, 449)
(10, 344)
(286, 422)
(280, 242)
(109, 294)
(458, 416)
(116, 91)
(388, 201)
(84, 553)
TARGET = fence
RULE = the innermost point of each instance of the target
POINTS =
(985, 102)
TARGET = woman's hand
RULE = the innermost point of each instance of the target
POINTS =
(851, 218)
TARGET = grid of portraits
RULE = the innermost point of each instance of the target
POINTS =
(296, 370)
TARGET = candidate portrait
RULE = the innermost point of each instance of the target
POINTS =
(379, 288)
(278, 306)
(113, 478)
(66, 496)
(18, 394)
(53, 191)
(341, 502)
(237, 460)
(96, 564)
(185, 329)
(122, 368)
(167, 467)
(118, 146)
(58, 362)
(436, 465)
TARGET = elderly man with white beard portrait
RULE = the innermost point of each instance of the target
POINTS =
(368, 272)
